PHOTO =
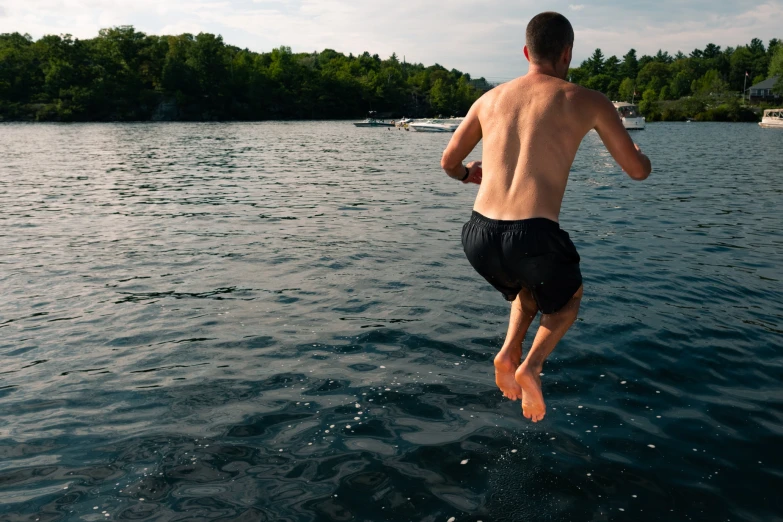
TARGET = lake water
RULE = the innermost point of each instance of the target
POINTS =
(276, 321)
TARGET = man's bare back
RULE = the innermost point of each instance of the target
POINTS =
(532, 128)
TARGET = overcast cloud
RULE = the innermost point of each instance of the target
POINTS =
(482, 37)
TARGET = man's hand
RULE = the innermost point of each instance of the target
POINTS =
(474, 167)
(615, 137)
(645, 160)
(466, 137)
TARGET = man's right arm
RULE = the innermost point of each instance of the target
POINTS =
(617, 140)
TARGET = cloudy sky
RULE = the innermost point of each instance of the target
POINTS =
(482, 37)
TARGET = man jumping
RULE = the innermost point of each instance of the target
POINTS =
(532, 128)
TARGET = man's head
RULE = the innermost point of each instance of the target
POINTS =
(550, 41)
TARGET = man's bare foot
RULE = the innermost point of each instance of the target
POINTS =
(504, 375)
(529, 381)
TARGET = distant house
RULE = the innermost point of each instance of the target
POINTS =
(763, 90)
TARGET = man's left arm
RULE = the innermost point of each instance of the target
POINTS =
(465, 139)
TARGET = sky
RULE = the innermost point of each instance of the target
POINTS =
(480, 37)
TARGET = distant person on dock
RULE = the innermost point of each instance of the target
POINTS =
(532, 127)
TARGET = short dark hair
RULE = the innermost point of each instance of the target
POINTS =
(548, 35)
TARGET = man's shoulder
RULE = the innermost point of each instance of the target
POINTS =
(589, 101)
(584, 94)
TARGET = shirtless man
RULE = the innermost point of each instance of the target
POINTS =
(532, 128)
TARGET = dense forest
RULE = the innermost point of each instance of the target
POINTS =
(127, 75)
(707, 84)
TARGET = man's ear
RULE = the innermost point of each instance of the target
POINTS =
(568, 54)
(527, 53)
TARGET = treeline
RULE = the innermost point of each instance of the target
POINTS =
(126, 75)
(707, 84)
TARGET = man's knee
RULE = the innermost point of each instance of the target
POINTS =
(570, 310)
(526, 303)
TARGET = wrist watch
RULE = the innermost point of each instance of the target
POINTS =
(467, 173)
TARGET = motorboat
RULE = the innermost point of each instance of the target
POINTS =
(772, 119)
(629, 113)
(435, 125)
(372, 121)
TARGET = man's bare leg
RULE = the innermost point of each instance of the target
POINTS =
(553, 327)
(523, 310)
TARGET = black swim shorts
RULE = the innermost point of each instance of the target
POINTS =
(531, 253)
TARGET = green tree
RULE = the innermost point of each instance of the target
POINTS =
(441, 97)
(655, 75)
(711, 51)
(595, 64)
(599, 82)
(648, 99)
(776, 69)
(630, 65)
(627, 90)
(663, 57)
(680, 85)
(741, 64)
(710, 84)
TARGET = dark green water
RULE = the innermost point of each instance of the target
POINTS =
(277, 322)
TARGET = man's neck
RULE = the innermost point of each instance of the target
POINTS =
(545, 69)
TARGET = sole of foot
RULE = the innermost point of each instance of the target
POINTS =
(533, 406)
(504, 377)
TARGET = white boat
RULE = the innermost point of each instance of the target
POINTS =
(629, 113)
(372, 121)
(435, 125)
(773, 119)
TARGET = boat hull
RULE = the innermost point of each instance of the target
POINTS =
(634, 123)
(363, 124)
(431, 128)
(771, 124)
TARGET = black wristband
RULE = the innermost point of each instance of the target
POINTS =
(467, 173)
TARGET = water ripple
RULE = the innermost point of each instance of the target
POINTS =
(276, 322)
